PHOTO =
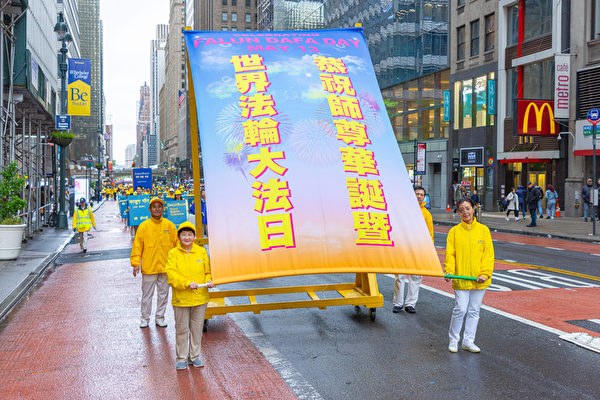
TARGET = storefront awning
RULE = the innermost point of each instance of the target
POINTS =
(525, 160)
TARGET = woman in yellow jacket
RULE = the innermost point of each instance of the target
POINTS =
(469, 252)
(188, 272)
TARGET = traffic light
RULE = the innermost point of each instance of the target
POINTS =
(133, 165)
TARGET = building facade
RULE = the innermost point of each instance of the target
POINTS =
(88, 129)
(290, 15)
(473, 66)
(143, 122)
(224, 15)
(157, 72)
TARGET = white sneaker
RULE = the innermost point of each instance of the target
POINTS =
(143, 323)
(516, 218)
(470, 347)
(453, 347)
(507, 219)
(551, 217)
(161, 322)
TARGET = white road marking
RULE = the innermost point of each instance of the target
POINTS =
(520, 244)
(288, 372)
(510, 261)
(597, 321)
(594, 254)
(553, 248)
(520, 282)
(496, 311)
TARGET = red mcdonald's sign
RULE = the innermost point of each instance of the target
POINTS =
(536, 117)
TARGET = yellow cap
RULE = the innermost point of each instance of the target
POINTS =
(156, 200)
(177, 192)
(188, 225)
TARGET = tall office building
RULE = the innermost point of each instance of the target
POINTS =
(143, 120)
(157, 71)
(89, 130)
(224, 15)
(290, 15)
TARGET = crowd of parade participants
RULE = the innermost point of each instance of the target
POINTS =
(166, 254)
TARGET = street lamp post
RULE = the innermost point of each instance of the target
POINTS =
(61, 30)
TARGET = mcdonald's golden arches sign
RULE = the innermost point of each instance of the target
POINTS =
(536, 117)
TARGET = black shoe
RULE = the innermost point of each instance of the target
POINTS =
(548, 217)
(85, 250)
(397, 309)
(585, 220)
(531, 225)
(410, 309)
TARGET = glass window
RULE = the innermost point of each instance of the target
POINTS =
(475, 38)
(413, 125)
(223, 28)
(444, 126)
(595, 19)
(233, 28)
(247, 3)
(457, 89)
(234, 2)
(234, 17)
(538, 80)
(460, 43)
(481, 101)
(490, 32)
(467, 100)
(511, 91)
(399, 128)
(538, 18)
(224, 16)
(224, 2)
(460, 3)
(248, 18)
(513, 25)
(426, 122)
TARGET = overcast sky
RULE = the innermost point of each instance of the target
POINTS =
(129, 26)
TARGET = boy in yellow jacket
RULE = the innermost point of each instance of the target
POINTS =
(188, 272)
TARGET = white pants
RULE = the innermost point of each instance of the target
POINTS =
(189, 322)
(466, 302)
(149, 282)
(412, 295)
(83, 236)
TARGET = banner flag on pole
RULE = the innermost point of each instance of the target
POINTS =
(79, 93)
(302, 170)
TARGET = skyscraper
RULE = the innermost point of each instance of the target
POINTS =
(143, 125)
(288, 15)
(89, 130)
(157, 80)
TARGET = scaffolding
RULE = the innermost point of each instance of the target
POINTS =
(25, 124)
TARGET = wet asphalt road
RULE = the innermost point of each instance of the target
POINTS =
(339, 354)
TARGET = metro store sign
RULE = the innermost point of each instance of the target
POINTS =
(536, 117)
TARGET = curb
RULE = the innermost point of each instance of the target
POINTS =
(527, 233)
(33, 278)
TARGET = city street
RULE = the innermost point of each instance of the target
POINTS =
(76, 335)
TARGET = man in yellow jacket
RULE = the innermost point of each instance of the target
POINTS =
(469, 252)
(153, 240)
(188, 271)
(413, 281)
(83, 220)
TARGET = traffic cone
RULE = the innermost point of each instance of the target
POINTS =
(448, 208)
(557, 209)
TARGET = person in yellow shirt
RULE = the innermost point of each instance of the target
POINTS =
(188, 272)
(153, 240)
(83, 220)
(413, 281)
(469, 252)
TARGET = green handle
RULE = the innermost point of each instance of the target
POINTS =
(467, 278)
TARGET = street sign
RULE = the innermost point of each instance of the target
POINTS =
(63, 123)
(593, 116)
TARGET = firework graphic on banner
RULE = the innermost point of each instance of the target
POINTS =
(314, 141)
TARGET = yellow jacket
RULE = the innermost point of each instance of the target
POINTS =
(153, 240)
(428, 219)
(83, 220)
(185, 267)
(469, 252)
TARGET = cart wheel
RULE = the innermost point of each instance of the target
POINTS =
(372, 313)
(357, 309)
(205, 326)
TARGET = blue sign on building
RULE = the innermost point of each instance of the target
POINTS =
(63, 123)
(492, 97)
(446, 106)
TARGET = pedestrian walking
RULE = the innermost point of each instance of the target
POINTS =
(83, 220)
(188, 267)
(551, 197)
(540, 209)
(469, 252)
(457, 195)
(586, 194)
(413, 282)
(513, 204)
(155, 237)
(521, 193)
(476, 200)
(203, 210)
(533, 196)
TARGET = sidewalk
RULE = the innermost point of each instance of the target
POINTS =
(568, 228)
(18, 276)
